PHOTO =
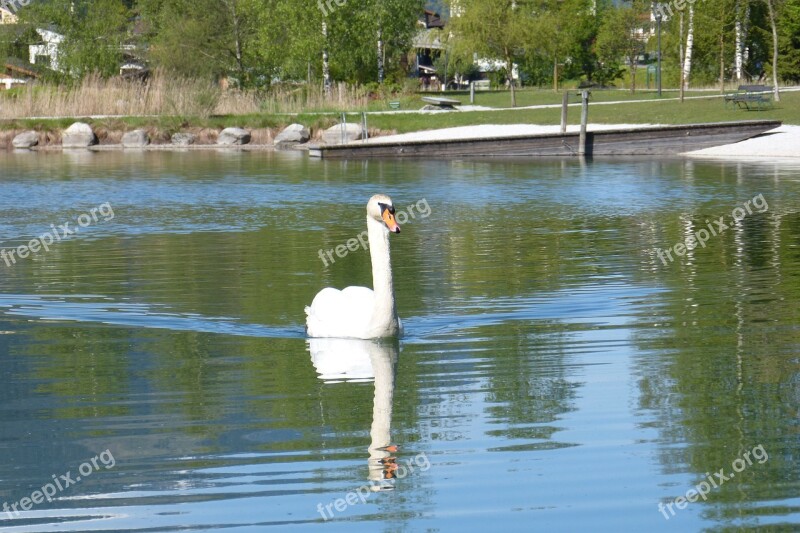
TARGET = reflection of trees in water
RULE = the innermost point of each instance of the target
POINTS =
(719, 370)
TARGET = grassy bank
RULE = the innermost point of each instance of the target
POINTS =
(642, 107)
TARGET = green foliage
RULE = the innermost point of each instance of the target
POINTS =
(617, 40)
(253, 43)
(94, 33)
(789, 41)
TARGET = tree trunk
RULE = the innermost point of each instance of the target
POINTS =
(687, 63)
(745, 34)
(326, 68)
(771, 8)
(555, 74)
(510, 72)
(680, 52)
(721, 63)
(380, 55)
(237, 42)
(738, 32)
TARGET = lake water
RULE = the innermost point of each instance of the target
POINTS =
(556, 374)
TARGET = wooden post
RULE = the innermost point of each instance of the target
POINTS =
(584, 120)
(364, 126)
(564, 104)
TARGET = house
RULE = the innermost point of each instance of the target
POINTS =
(428, 45)
(16, 72)
(46, 54)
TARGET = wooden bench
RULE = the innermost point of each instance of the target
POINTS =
(443, 103)
(750, 97)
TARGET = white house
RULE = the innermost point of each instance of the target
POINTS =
(47, 53)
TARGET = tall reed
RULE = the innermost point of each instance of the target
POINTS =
(167, 95)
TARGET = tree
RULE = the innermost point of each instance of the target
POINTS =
(94, 33)
(210, 39)
(774, 28)
(556, 30)
(617, 38)
(494, 29)
(687, 59)
(789, 41)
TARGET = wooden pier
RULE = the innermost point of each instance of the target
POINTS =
(650, 140)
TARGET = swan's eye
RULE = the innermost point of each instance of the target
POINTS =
(385, 207)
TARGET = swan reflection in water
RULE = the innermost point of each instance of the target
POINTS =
(354, 360)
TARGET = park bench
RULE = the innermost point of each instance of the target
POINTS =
(750, 97)
(442, 103)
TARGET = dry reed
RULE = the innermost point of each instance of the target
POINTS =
(167, 95)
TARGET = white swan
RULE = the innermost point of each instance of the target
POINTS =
(359, 312)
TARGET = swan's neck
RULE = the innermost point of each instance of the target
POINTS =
(385, 313)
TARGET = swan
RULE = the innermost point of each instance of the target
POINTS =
(359, 312)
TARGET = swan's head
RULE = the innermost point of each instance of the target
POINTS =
(381, 208)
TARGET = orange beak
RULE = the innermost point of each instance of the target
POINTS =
(391, 223)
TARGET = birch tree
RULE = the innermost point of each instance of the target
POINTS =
(494, 29)
(687, 60)
(774, 28)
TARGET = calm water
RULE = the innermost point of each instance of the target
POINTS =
(556, 374)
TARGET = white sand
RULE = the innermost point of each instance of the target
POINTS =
(780, 142)
(492, 130)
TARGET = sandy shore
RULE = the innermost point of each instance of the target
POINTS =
(492, 130)
(780, 142)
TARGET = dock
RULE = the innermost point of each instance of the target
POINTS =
(650, 141)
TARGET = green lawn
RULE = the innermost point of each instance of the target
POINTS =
(530, 97)
(646, 111)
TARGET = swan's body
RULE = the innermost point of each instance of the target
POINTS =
(359, 312)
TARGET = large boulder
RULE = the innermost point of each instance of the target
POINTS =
(182, 139)
(292, 135)
(334, 134)
(79, 135)
(26, 139)
(135, 139)
(233, 136)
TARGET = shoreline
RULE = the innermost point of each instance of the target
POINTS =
(782, 142)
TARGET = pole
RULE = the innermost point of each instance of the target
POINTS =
(472, 92)
(444, 87)
(364, 128)
(564, 103)
(658, 26)
(584, 120)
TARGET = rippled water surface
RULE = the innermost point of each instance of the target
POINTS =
(556, 374)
